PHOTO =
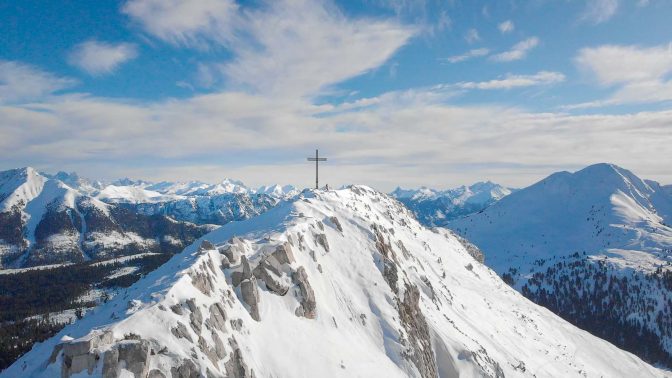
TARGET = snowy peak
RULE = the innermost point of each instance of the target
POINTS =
(280, 191)
(435, 207)
(593, 244)
(569, 212)
(348, 282)
(19, 186)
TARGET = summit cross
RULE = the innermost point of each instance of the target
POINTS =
(317, 159)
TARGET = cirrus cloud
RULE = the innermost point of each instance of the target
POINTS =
(518, 51)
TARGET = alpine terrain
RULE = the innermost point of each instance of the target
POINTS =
(334, 283)
(437, 207)
(196, 202)
(43, 220)
(595, 247)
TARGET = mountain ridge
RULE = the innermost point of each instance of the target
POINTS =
(346, 280)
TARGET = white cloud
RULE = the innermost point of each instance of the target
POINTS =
(302, 47)
(260, 139)
(506, 26)
(639, 74)
(472, 36)
(474, 53)
(99, 58)
(515, 81)
(518, 51)
(185, 21)
(599, 11)
(21, 82)
(288, 48)
(614, 64)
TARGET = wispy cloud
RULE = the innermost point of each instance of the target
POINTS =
(639, 74)
(21, 82)
(474, 53)
(185, 22)
(506, 27)
(515, 81)
(472, 36)
(99, 58)
(599, 11)
(285, 48)
(518, 51)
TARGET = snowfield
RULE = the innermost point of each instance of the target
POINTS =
(339, 283)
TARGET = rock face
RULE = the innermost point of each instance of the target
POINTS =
(390, 298)
(250, 293)
(308, 306)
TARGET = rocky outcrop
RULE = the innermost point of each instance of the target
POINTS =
(308, 305)
(419, 343)
(236, 366)
(250, 294)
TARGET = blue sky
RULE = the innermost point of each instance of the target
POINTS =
(399, 92)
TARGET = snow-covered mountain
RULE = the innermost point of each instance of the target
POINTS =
(43, 220)
(437, 207)
(196, 202)
(594, 246)
(334, 284)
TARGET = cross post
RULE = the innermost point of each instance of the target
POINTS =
(317, 159)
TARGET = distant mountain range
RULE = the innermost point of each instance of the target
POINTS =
(44, 221)
(63, 218)
(437, 207)
(594, 246)
(341, 283)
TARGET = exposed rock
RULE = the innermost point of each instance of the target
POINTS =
(206, 246)
(111, 363)
(176, 308)
(220, 350)
(247, 271)
(236, 324)
(188, 369)
(283, 253)
(181, 332)
(202, 282)
(336, 223)
(420, 345)
(196, 317)
(236, 278)
(308, 306)
(236, 366)
(321, 239)
(250, 294)
(135, 356)
(155, 373)
(217, 317)
(265, 272)
(209, 352)
(233, 250)
(473, 250)
(82, 354)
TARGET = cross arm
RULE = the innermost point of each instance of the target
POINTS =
(317, 159)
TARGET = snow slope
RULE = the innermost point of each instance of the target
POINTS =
(435, 207)
(596, 209)
(334, 284)
(594, 244)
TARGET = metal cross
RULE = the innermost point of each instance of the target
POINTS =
(317, 159)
